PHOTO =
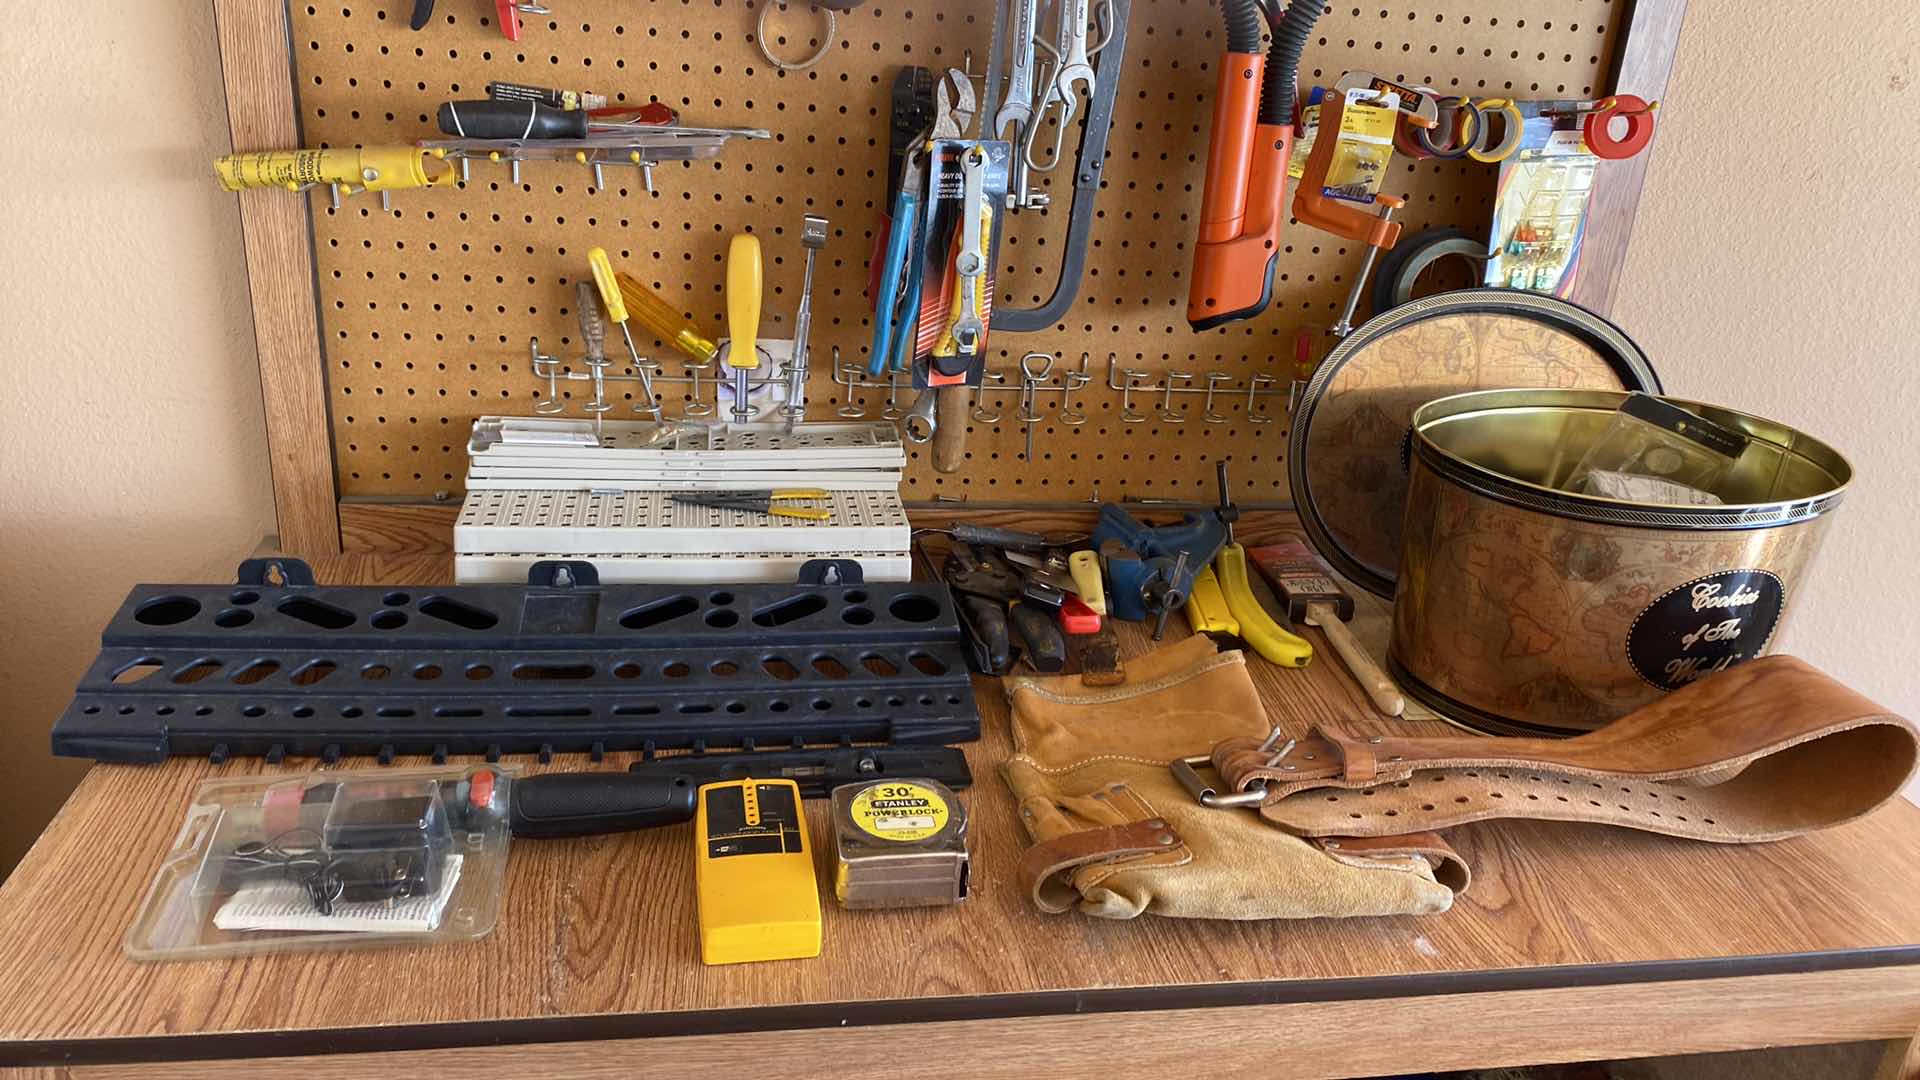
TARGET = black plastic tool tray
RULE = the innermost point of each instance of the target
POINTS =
(300, 670)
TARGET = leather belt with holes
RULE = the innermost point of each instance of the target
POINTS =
(1765, 750)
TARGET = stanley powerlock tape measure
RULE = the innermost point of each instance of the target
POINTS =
(898, 843)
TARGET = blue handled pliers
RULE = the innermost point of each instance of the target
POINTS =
(896, 315)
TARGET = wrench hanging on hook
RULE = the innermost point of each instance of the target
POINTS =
(1088, 169)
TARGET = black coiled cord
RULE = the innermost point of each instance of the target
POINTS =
(1290, 33)
(1243, 25)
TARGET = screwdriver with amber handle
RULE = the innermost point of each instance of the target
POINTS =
(743, 320)
(664, 319)
(617, 311)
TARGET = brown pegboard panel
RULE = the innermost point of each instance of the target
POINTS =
(426, 311)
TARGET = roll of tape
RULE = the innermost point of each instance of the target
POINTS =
(1404, 139)
(1450, 108)
(1393, 282)
(1597, 129)
(1510, 130)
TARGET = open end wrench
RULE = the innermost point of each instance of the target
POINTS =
(1018, 108)
(1075, 67)
(971, 262)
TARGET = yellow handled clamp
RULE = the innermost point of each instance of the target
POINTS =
(1085, 568)
(1207, 609)
(1268, 638)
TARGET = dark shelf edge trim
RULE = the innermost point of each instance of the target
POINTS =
(566, 1029)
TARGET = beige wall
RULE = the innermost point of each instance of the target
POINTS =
(130, 426)
(1770, 271)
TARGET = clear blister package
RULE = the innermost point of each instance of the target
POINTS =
(1653, 451)
(330, 860)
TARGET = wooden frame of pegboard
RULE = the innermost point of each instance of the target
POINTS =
(317, 496)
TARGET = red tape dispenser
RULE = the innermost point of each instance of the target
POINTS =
(1597, 129)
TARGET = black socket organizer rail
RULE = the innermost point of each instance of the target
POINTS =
(277, 666)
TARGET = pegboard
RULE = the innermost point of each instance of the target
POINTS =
(426, 311)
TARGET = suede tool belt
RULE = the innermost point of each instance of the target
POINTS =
(1766, 750)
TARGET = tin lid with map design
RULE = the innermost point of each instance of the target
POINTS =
(1348, 452)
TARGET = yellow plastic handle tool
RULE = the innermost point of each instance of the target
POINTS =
(609, 286)
(664, 320)
(1268, 638)
(801, 493)
(374, 168)
(1085, 568)
(801, 513)
(1207, 610)
(743, 302)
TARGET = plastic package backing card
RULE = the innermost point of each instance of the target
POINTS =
(330, 860)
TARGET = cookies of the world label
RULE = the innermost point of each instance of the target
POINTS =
(902, 812)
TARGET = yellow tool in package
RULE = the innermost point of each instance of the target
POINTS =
(375, 168)
(1365, 147)
(753, 866)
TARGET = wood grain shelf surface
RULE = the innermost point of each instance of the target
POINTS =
(597, 938)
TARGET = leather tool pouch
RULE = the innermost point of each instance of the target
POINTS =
(1115, 835)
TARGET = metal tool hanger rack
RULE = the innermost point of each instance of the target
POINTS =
(423, 314)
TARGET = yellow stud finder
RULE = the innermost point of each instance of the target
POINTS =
(753, 870)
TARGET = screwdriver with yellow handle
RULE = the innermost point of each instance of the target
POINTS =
(664, 319)
(743, 320)
(617, 311)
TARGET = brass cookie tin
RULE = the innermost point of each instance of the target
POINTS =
(1523, 609)
(1348, 450)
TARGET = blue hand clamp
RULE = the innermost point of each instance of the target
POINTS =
(1135, 581)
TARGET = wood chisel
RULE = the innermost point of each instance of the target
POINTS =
(742, 350)
(659, 791)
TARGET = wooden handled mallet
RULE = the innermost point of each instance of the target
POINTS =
(1312, 596)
